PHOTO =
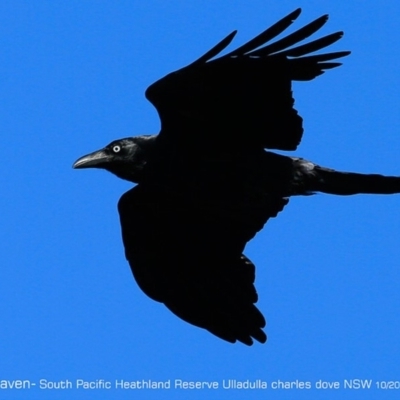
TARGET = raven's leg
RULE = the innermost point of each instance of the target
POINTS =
(319, 179)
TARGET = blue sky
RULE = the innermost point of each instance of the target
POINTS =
(72, 78)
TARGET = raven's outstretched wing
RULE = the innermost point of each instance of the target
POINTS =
(187, 254)
(245, 93)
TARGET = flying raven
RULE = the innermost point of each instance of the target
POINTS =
(206, 185)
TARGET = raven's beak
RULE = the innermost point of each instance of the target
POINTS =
(92, 160)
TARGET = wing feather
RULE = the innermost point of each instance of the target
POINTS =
(291, 39)
(244, 94)
(186, 253)
(314, 46)
(267, 35)
(215, 50)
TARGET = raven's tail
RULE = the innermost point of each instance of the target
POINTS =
(314, 178)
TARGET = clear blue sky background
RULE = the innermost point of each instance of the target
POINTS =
(72, 79)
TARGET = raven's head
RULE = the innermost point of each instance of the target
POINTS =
(125, 158)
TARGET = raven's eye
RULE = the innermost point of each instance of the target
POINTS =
(116, 149)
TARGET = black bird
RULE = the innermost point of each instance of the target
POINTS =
(206, 185)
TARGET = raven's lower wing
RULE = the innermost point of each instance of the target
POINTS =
(187, 254)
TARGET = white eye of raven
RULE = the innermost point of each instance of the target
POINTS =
(116, 149)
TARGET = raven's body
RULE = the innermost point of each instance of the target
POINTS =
(206, 184)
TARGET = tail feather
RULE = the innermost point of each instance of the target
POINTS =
(310, 178)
